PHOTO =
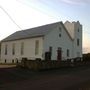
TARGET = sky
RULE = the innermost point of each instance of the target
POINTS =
(18, 15)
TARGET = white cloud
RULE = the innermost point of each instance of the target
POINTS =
(77, 2)
(28, 16)
(24, 16)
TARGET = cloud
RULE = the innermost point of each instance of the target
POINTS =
(77, 2)
(86, 43)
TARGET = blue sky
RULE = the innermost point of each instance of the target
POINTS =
(32, 13)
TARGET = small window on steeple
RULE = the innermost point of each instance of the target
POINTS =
(78, 29)
(59, 35)
(78, 42)
(60, 30)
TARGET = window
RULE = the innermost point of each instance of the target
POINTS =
(12, 61)
(22, 48)
(59, 35)
(50, 50)
(5, 60)
(37, 47)
(5, 49)
(78, 29)
(60, 30)
(17, 61)
(68, 52)
(13, 49)
(77, 42)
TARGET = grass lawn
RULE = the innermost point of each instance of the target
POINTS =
(4, 65)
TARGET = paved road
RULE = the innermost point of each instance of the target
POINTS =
(62, 79)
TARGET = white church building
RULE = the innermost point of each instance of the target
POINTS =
(55, 41)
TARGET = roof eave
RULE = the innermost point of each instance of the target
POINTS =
(23, 38)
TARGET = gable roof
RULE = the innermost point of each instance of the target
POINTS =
(33, 32)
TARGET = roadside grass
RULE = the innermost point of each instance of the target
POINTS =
(7, 63)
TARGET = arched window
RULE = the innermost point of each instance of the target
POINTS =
(13, 49)
(36, 47)
(6, 49)
(22, 48)
(68, 53)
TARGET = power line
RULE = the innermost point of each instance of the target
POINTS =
(10, 17)
(37, 9)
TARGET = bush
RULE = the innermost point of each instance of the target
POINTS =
(86, 57)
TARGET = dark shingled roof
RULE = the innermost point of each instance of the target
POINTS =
(33, 32)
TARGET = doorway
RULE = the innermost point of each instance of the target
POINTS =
(59, 53)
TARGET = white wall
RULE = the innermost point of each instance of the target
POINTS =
(78, 35)
(53, 39)
(29, 49)
(70, 27)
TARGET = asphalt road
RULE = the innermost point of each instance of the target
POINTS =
(62, 79)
